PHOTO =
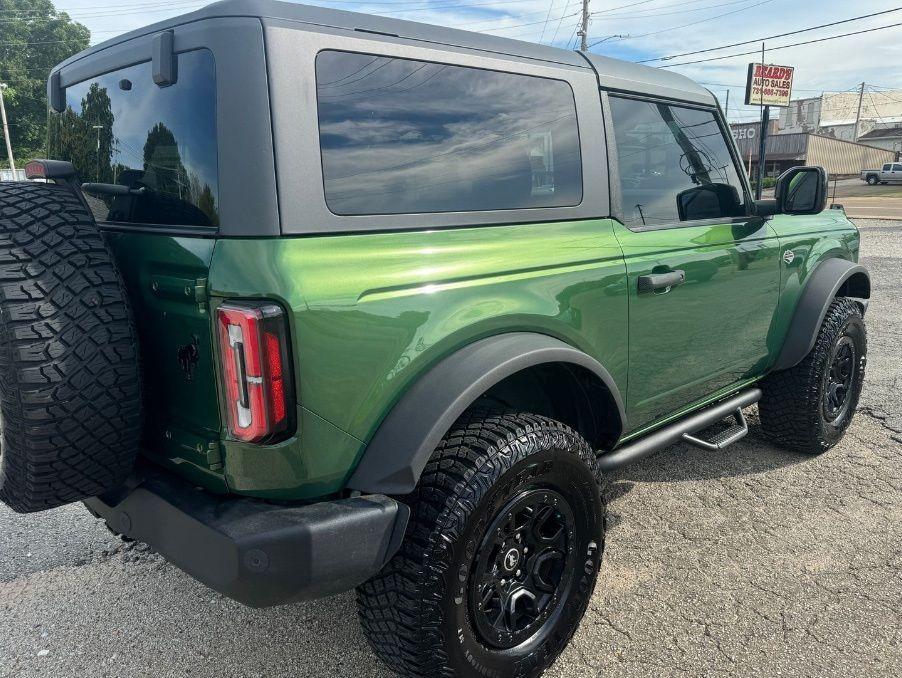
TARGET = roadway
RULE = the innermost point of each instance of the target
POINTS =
(868, 202)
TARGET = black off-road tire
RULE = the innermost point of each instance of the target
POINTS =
(70, 387)
(872, 180)
(421, 613)
(795, 409)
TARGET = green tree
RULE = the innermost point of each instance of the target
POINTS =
(34, 37)
(85, 138)
(163, 161)
(165, 173)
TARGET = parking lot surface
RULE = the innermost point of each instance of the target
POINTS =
(751, 562)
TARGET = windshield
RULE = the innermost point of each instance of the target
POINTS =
(121, 128)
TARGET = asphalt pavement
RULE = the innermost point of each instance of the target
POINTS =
(862, 201)
(749, 562)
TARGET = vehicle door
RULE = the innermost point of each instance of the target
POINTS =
(895, 173)
(703, 275)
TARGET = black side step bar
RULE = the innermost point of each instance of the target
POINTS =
(681, 430)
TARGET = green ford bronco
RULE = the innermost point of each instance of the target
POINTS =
(309, 300)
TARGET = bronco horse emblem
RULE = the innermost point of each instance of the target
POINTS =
(189, 356)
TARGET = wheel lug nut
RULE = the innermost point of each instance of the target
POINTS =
(518, 573)
(518, 536)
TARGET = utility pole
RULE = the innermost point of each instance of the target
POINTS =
(762, 135)
(584, 28)
(858, 114)
(9, 145)
(97, 128)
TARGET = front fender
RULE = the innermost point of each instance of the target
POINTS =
(397, 454)
(824, 285)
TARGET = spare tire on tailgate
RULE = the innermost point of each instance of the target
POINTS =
(70, 388)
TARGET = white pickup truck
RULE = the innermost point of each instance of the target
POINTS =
(891, 171)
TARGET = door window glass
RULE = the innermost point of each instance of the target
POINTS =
(674, 164)
(399, 136)
(897, 168)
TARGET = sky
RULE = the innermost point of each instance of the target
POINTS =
(634, 30)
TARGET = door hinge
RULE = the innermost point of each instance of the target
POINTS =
(176, 288)
(214, 455)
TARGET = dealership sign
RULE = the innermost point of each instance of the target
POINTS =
(768, 85)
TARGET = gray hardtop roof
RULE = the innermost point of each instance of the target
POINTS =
(630, 77)
(613, 73)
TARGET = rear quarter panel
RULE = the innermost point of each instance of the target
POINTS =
(371, 312)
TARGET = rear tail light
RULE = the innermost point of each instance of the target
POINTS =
(255, 366)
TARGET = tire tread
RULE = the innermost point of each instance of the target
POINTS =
(399, 608)
(789, 407)
(70, 386)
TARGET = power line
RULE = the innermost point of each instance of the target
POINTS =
(103, 15)
(556, 30)
(60, 10)
(499, 18)
(699, 21)
(721, 84)
(141, 8)
(655, 9)
(547, 16)
(648, 14)
(431, 6)
(531, 23)
(795, 44)
(422, 4)
(500, 28)
(644, 2)
(769, 37)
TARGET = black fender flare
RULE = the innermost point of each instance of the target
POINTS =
(401, 447)
(824, 285)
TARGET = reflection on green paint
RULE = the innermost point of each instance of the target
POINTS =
(370, 313)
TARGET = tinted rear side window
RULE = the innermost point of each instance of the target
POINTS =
(674, 164)
(400, 136)
(121, 128)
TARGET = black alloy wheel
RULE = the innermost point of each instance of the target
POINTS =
(840, 377)
(522, 567)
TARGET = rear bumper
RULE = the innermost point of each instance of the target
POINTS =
(257, 553)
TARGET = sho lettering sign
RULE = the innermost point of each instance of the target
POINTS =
(744, 133)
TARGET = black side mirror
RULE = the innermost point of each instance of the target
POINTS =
(802, 190)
